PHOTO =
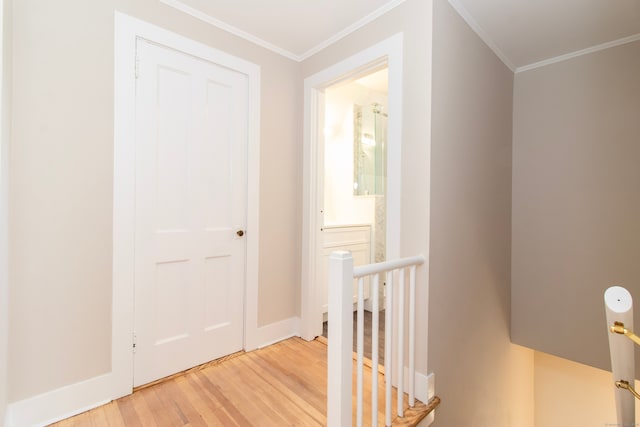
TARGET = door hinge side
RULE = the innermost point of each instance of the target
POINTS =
(135, 342)
(137, 65)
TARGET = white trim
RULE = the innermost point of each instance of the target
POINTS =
(351, 28)
(425, 385)
(278, 331)
(430, 393)
(389, 52)
(464, 13)
(580, 52)
(198, 14)
(62, 403)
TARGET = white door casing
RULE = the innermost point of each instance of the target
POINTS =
(387, 52)
(191, 133)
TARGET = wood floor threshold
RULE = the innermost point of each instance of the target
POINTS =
(187, 371)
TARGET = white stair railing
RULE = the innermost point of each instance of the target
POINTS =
(340, 351)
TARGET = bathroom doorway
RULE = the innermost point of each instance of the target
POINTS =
(321, 225)
(355, 178)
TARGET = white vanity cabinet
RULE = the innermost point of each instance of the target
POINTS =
(353, 238)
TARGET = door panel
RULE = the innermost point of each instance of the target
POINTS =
(191, 138)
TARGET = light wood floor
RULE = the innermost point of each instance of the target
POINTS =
(281, 385)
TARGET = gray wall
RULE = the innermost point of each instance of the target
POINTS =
(576, 200)
(482, 378)
(62, 174)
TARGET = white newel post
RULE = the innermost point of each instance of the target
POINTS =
(340, 359)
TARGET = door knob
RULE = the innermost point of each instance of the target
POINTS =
(240, 233)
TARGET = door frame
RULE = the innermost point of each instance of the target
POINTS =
(388, 52)
(127, 31)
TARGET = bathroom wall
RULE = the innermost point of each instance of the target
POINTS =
(340, 205)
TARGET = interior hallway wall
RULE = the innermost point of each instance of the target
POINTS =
(482, 378)
(576, 200)
(62, 183)
(5, 58)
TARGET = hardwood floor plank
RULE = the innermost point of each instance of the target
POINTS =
(203, 406)
(219, 416)
(261, 396)
(284, 400)
(128, 411)
(143, 411)
(212, 383)
(98, 417)
(171, 396)
(261, 368)
(112, 413)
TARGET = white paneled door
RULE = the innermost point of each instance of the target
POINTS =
(191, 157)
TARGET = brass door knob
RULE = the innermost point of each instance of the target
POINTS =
(240, 233)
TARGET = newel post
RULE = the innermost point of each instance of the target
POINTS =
(339, 358)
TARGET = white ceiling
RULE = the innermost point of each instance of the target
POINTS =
(527, 32)
(521, 32)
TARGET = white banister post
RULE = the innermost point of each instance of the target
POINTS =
(339, 358)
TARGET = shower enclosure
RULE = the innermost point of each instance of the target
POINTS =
(370, 150)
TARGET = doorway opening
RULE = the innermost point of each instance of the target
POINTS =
(366, 183)
(355, 178)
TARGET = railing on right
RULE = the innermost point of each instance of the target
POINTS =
(340, 351)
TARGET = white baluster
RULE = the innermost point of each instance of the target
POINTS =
(412, 335)
(400, 362)
(360, 351)
(388, 329)
(375, 348)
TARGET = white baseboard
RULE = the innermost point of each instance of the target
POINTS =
(278, 331)
(425, 385)
(431, 392)
(61, 403)
(74, 399)
(425, 390)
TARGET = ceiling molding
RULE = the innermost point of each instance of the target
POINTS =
(580, 52)
(352, 28)
(464, 13)
(198, 14)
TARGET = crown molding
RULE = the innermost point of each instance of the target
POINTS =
(198, 14)
(464, 13)
(580, 52)
(352, 28)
